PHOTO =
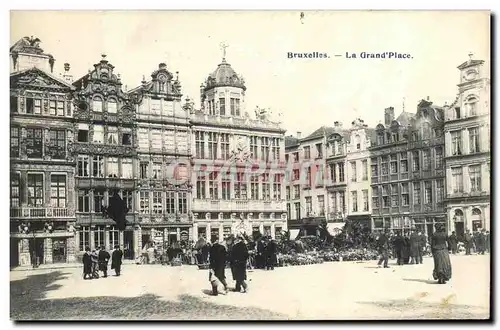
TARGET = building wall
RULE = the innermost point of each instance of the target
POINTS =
(42, 209)
(468, 151)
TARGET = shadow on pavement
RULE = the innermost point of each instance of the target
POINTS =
(420, 280)
(28, 303)
(415, 308)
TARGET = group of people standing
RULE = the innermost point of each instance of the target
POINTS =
(409, 248)
(266, 253)
(97, 260)
(237, 255)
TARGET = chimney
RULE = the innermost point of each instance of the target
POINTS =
(67, 76)
(388, 116)
(428, 98)
(299, 135)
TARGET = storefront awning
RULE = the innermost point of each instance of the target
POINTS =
(334, 228)
(294, 233)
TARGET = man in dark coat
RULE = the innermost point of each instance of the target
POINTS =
(406, 248)
(383, 247)
(218, 262)
(271, 249)
(414, 247)
(87, 264)
(398, 248)
(116, 260)
(481, 242)
(468, 242)
(260, 259)
(103, 260)
(205, 250)
(453, 242)
(422, 244)
(239, 257)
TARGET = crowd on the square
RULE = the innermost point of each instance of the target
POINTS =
(96, 261)
(410, 247)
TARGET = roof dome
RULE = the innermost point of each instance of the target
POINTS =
(224, 76)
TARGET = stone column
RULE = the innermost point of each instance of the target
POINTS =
(120, 239)
(47, 251)
(465, 141)
(106, 238)
(178, 234)
(205, 144)
(447, 143)
(273, 230)
(70, 249)
(194, 231)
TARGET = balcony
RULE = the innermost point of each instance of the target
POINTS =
(41, 212)
(235, 122)
(238, 205)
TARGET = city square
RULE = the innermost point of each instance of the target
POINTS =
(329, 291)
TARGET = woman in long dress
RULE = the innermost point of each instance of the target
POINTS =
(442, 264)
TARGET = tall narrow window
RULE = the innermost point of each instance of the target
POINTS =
(224, 145)
(83, 166)
(170, 202)
(213, 185)
(58, 190)
(144, 170)
(113, 236)
(98, 200)
(157, 171)
(98, 136)
(60, 108)
(57, 144)
(365, 200)
(183, 203)
(254, 187)
(112, 167)
(266, 187)
(321, 205)
(144, 202)
(99, 236)
(439, 157)
(456, 143)
(200, 144)
(112, 106)
(394, 164)
(416, 194)
(240, 186)
(278, 178)
(405, 194)
(14, 141)
(264, 149)
(201, 184)
(428, 192)
(475, 178)
(97, 105)
(157, 202)
(457, 180)
(439, 190)
(222, 106)
(375, 198)
(226, 189)
(353, 172)
(34, 142)
(253, 146)
(404, 162)
(384, 164)
(394, 195)
(128, 199)
(416, 161)
(354, 200)
(276, 149)
(473, 140)
(212, 145)
(364, 170)
(84, 235)
(426, 159)
(35, 190)
(127, 171)
(15, 190)
(112, 135)
(83, 200)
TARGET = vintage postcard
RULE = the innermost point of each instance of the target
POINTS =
(250, 165)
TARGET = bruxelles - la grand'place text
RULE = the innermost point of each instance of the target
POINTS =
(384, 55)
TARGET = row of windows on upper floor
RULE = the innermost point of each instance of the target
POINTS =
(426, 132)
(38, 106)
(219, 108)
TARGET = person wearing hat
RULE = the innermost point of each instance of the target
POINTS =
(103, 260)
(414, 247)
(442, 263)
(383, 246)
(271, 249)
(87, 264)
(238, 259)
(481, 242)
(116, 260)
(218, 255)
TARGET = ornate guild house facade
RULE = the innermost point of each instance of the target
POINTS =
(105, 149)
(227, 189)
(467, 154)
(42, 210)
(164, 151)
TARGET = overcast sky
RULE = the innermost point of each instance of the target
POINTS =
(309, 92)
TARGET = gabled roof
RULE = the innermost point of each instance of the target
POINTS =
(466, 64)
(33, 73)
(405, 117)
(291, 141)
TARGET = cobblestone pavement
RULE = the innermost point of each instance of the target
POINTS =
(333, 290)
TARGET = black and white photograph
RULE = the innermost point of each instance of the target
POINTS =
(247, 165)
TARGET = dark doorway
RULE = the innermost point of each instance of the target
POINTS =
(59, 251)
(172, 238)
(36, 251)
(14, 252)
(128, 244)
(459, 229)
(430, 229)
(146, 239)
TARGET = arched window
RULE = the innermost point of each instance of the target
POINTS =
(476, 218)
(471, 106)
(459, 216)
(97, 104)
(112, 106)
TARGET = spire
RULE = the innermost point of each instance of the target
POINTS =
(404, 104)
(223, 47)
(470, 56)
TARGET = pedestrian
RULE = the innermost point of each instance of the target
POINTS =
(414, 247)
(422, 244)
(260, 257)
(442, 263)
(481, 242)
(87, 264)
(453, 242)
(468, 242)
(383, 246)
(271, 249)
(487, 241)
(95, 264)
(103, 260)
(116, 260)
(218, 255)
(239, 257)
(398, 248)
(406, 248)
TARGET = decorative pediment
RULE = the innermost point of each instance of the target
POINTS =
(38, 79)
